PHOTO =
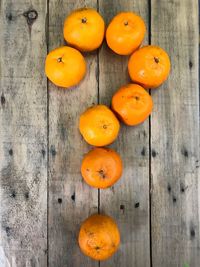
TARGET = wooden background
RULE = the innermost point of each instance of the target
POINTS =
(43, 199)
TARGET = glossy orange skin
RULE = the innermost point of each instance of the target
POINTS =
(99, 125)
(149, 66)
(65, 66)
(84, 29)
(125, 33)
(132, 103)
(99, 237)
(101, 167)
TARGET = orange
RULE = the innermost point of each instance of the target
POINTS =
(132, 103)
(149, 66)
(99, 237)
(125, 33)
(65, 66)
(84, 29)
(101, 167)
(99, 126)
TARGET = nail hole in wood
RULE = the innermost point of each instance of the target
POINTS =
(9, 17)
(153, 153)
(192, 233)
(190, 64)
(43, 153)
(174, 199)
(73, 197)
(13, 194)
(137, 204)
(184, 152)
(122, 207)
(53, 151)
(10, 152)
(3, 100)
(59, 200)
(8, 230)
(169, 188)
(143, 152)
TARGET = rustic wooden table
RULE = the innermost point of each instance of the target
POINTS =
(43, 198)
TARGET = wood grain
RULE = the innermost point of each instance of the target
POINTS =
(175, 138)
(127, 201)
(71, 200)
(23, 134)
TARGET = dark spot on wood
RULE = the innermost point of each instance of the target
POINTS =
(45, 251)
(169, 188)
(53, 151)
(190, 64)
(26, 195)
(13, 194)
(184, 152)
(122, 207)
(3, 100)
(63, 132)
(137, 204)
(192, 232)
(153, 153)
(8, 230)
(143, 152)
(43, 153)
(174, 199)
(59, 200)
(31, 16)
(9, 17)
(144, 133)
(182, 188)
(73, 197)
(10, 151)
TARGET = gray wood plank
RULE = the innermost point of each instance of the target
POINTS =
(23, 134)
(127, 201)
(66, 149)
(175, 138)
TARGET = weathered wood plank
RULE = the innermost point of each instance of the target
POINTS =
(23, 134)
(70, 199)
(128, 200)
(175, 138)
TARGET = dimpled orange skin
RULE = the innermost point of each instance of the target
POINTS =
(65, 66)
(125, 33)
(149, 66)
(99, 126)
(101, 167)
(99, 237)
(84, 29)
(132, 103)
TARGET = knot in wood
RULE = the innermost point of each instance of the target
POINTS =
(30, 16)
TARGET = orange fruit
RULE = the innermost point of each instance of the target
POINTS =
(149, 66)
(65, 66)
(101, 167)
(84, 29)
(99, 126)
(125, 33)
(132, 103)
(99, 237)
